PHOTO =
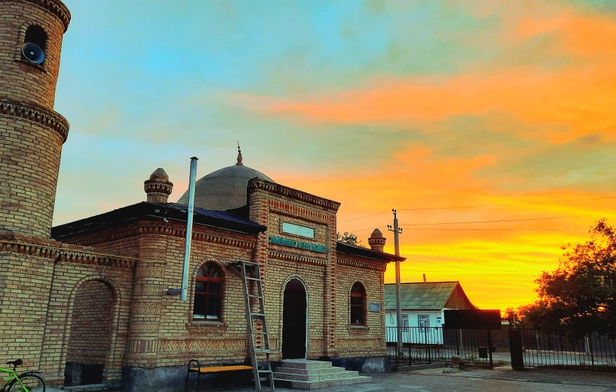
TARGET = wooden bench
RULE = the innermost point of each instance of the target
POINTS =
(195, 367)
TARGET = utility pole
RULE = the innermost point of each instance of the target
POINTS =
(397, 231)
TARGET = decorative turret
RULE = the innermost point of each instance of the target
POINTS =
(158, 187)
(377, 241)
(31, 33)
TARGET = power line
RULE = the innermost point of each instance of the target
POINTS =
(455, 266)
(491, 229)
(366, 216)
(508, 220)
(491, 221)
(507, 204)
(483, 206)
(498, 220)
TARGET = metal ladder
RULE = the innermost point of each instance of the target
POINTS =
(258, 337)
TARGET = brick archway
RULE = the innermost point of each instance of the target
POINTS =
(91, 332)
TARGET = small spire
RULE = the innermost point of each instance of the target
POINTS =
(239, 154)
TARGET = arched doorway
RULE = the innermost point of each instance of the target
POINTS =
(89, 343)
(294, 320)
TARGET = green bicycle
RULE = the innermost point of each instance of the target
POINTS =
(25, 382)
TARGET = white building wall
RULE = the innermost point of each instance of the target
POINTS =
(429, 332)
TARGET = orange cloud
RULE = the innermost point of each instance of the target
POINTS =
(583, 100)
(576, 33)
(578, 95)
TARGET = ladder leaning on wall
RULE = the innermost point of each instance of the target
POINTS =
(257, 334)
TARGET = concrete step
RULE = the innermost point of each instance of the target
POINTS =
(306, 374)
(327, 375)
(322, 383)
(305, 364)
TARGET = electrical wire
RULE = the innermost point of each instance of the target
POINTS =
(482, 206)
(465, 267)
(498, 220)
(507, 204)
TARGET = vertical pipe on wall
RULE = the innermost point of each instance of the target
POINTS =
(189, 225)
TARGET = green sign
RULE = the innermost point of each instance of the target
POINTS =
(297, 244)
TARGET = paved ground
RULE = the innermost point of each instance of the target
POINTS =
(501, 379)
(482, 380)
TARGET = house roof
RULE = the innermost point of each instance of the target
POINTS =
(426, 296)
(160, 211)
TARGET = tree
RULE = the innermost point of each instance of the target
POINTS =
(579, 297)
(349, 238)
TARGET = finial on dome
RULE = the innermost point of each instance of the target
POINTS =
(239, 154)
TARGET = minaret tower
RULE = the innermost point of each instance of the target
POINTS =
(31, 132)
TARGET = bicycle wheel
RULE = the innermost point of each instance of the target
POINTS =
(32, 382)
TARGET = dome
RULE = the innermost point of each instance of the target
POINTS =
(224, 189)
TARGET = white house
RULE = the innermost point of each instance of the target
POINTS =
(422, 305)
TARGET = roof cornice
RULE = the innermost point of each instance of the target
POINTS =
(47, 118)
(271, 187)
(62, 252)
(57, 8)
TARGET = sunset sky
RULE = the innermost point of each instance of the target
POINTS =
(489, 125)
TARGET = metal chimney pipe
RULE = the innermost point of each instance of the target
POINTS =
(189, 225)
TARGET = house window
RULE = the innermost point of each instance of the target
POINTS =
(358, 304)
(423, 321)
(208, 293)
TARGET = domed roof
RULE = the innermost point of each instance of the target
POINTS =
(224, 189)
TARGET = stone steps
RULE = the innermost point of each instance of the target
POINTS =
(306, 374)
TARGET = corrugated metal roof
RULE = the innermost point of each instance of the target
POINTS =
(420, 295)
(160, 211)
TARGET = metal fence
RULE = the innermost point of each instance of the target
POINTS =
(435, 344)
(594, 351)
(423, 345)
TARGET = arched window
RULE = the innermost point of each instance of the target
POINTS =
(358, 304)
(36, 35)
(208, 293)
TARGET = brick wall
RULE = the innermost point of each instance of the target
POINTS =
(25, 282)
(368, 340)
(91, 326)
(71, 292)
(28, 174)
(181, 337)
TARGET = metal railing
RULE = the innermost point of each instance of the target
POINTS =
(423, 345)
(593, 351)
(539, 349)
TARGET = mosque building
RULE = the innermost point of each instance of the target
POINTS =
(94, 300)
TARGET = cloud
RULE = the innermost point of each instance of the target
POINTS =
(579, 101)
(568, 91)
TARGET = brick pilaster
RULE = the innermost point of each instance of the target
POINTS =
(145, 308)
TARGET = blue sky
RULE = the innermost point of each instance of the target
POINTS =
(494, 112)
